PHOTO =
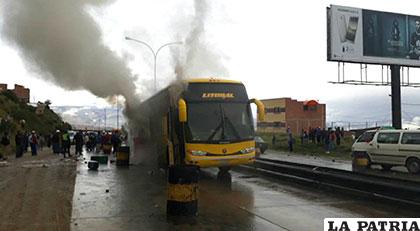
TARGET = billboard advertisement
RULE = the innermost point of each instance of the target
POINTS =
(367, 36)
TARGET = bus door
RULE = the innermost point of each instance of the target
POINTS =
(167, 139)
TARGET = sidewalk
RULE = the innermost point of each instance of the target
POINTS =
(308, 159)
(397, 172)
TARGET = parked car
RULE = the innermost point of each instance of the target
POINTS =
(390, 148)
(261, 145)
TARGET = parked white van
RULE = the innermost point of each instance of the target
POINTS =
(390, 148)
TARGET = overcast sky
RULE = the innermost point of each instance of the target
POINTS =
(277, 48)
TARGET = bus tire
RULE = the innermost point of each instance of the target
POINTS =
(224, 177)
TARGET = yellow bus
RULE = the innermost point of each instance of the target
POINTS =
(202, 122)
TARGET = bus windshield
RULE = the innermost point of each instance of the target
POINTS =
(215, 122)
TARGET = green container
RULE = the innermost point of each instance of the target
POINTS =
(100, 159)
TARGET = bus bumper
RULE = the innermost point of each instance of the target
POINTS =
(220, 161)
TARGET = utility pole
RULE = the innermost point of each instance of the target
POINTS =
(118, 116)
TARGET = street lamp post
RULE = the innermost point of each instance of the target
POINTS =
(155, 54)
(118, 116)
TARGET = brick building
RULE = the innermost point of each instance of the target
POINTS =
(281, 113)
(3, 87)
(20, 91)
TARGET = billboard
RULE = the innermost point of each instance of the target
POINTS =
(367, 36)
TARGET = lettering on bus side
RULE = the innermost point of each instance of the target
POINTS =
(218, 95)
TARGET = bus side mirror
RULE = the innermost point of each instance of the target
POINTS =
(182, 111)
(260, 109)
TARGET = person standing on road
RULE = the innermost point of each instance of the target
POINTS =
(98, 141)
(25, 142)
(5, 141)
(86, 141)
(55, 141)
(290, 139)
(115, 141)
(332, 140)
(338, 136)
(273, 140)
(66, 143)
(19, 144)
(327, 141)
(78, 140)
(33, 141)
(318, 135)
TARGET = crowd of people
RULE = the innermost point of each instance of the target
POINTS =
(60, 142)
(92, 141)
(25, 141)
(329, 138)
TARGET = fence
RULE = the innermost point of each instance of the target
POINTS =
(349, 125)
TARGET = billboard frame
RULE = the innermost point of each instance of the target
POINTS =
(358, 42)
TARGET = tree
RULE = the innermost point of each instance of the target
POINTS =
(5, 125)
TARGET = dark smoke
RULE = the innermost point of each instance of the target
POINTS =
(60, 41)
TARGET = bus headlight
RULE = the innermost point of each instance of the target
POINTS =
(198, 153)
(247, 150)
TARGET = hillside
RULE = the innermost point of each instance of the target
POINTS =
(15, 116)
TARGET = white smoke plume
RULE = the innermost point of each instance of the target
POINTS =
(199, 59)
(60, 41)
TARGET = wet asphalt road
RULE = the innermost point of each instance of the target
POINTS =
(136, 200)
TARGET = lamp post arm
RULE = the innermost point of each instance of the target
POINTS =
(139, 41)
(154, 54)
(157, 52)
(167, 44)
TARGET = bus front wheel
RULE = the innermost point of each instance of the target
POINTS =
(224, 174)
